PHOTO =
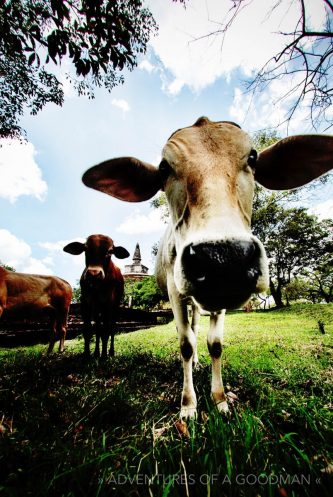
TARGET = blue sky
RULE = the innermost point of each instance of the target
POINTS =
(43, 202)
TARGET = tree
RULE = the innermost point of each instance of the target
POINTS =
(296, 243)
(305, 60)
(144, 294)
(320, 277)
(99, 37)
(76, 295)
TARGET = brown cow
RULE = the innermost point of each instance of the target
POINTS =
(102, 288)
(30, 295)
(208, 254)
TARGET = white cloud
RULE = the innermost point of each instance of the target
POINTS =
(197, 60)
(18, 254)
(145, 65)
(19, 172)
(270, 108)
(175, 86)
(121, 104)
(59, 245)
(56, 248)
(323, 210)
(139, 223)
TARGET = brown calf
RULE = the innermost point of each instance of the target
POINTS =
(31, 295)
(102, 288)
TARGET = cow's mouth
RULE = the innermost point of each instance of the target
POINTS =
(221, 275)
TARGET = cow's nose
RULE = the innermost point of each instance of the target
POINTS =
(229, 263)
(93, 274)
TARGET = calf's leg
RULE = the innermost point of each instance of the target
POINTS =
(187, 342)
(195, 328)
(214, 342)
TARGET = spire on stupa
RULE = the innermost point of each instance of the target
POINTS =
(137, 255)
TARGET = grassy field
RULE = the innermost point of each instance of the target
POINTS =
(71, 428)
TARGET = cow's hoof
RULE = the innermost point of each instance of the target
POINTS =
(223, 407)
(196, 363)
(188, 413)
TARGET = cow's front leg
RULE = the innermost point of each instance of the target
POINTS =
(214, 342)
(98, 333)
(187, 342)
(112, 333)
(195, 328)
(104, 333)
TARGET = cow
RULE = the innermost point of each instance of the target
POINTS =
(31, 295)
(208, 255)
(102, 288)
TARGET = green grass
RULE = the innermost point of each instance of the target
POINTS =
(71, 428)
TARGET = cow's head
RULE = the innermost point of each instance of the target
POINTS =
(208, 172)
(98, 251)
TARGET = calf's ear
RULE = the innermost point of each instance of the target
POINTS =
(125, 178)
(120, 252)
(294, 161)
(75, 248)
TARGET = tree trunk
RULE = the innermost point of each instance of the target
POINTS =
(276, 293)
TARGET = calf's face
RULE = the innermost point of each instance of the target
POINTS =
(208, 173)
(98, 250)
(209, 183)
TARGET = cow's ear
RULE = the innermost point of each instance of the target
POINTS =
(75, 248)
(120, 252)
(294, 161)
(125, 178)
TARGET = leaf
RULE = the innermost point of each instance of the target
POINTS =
(31, 59)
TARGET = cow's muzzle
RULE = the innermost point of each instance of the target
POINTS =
(222, 275)
(94, 274)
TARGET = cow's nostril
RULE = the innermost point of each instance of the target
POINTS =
(233, 261)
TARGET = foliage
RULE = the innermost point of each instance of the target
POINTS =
(100, 39)
(296, 243)
(320, 278)
(297, 289)
(304, 63)
(68, 427)
(10, 268)
(76, 295)
(144, 294)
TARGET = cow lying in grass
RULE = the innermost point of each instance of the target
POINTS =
(31, 296)
(208, 254)
(102, 288)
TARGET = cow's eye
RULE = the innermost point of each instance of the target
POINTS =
(164, 168)
(252, 159)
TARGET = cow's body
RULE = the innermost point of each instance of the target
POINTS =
(31, 296)
(208, 255)
(102, 288)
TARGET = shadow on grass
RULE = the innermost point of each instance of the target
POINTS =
(103, 428)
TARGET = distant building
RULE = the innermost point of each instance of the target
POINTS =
(136, 270)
